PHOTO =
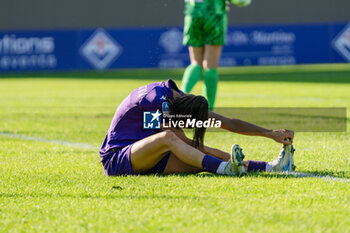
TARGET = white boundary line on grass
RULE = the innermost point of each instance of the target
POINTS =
(59, 142)
(310, 175)
(88, 146)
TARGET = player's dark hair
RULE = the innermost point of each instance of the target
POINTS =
(195, 106)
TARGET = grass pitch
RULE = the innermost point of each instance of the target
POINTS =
(51, 187)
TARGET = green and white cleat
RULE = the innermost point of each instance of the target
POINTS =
(285, 160)
(229, 170)
(236, 161)
(234, 166)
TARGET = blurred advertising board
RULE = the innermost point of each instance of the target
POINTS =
(100, 49)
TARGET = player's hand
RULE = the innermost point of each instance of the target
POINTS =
(282, 136)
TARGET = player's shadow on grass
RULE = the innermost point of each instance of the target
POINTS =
(200, 174)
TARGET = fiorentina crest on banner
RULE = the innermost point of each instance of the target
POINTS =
(101, 49)
(342, 43)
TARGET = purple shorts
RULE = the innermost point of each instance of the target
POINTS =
(119, 163)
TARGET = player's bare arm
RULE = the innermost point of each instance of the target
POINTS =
(205, 149)
(246, 128)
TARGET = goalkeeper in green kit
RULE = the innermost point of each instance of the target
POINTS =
(205, 27)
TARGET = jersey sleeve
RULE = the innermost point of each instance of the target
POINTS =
(156, 100)
(153, 100)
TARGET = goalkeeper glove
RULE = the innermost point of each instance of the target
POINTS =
(241, 3)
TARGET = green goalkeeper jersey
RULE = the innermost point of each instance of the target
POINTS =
(204, 7)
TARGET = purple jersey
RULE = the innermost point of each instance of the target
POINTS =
(127, 125)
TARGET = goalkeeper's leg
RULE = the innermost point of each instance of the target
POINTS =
(212, 55)
(193, 72)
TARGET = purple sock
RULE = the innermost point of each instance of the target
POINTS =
(256, 166)
(210, 163)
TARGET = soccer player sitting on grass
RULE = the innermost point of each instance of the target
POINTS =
(138, 143)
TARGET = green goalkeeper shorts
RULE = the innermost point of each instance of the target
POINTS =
(209, 29)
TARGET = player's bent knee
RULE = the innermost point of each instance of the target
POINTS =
(169, 138)
(168, 135)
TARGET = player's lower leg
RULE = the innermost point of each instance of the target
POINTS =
(148, 152)
(210, 87)
(192, 75)
(284, 162)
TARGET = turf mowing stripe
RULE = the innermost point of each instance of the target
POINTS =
(59, 142)
(87, 146)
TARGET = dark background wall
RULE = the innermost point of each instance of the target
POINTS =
(57, 14)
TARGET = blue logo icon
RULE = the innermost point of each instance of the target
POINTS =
(165, 109)
(151, 120)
